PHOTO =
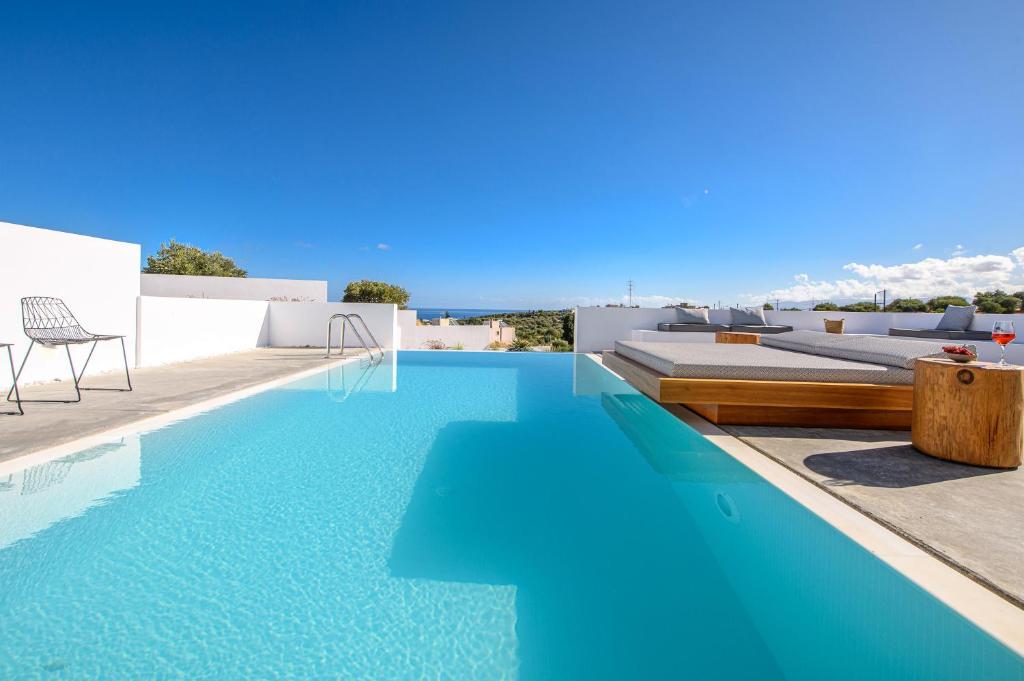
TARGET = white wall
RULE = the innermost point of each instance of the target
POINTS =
(97, 278)
(305, 324)
(471, 337)
(406, 328)
(233, 288)
(597, 328)
(180, 329)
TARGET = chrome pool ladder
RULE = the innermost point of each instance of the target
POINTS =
(351, 320)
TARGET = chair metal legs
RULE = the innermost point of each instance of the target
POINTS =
(124, 354)
(75, 376)
(14, 388)
(78, 395)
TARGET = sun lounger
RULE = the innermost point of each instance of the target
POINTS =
(711, 328)
(795, 378)
(955, 325)
(938, 334)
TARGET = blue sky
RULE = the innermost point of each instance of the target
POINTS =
(532, 154)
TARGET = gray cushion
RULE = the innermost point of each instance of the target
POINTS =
(750, 316)
(920, 333)
(873, 349)
(699, 328)
(755, 363)
(745, 328)
(691, 315)
(957, 318)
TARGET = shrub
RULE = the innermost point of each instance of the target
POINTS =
(175, 258)
(907, 305)
(364, 291)
(520, 345)
(863, 306)
(559, 345)
(457, 346)
(997, 301)
(826, 307)
(940, 303)
(434, 344)
(496, 345)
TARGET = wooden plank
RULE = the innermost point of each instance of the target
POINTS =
(803, 417)
(787, 394)
(737, 337)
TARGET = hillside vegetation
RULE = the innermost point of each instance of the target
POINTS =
(536, 327)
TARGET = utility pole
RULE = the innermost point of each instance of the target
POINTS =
(630, 285)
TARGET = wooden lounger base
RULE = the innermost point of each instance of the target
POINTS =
(774, 403)
(805, 417)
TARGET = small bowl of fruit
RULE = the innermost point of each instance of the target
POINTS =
(960, 353)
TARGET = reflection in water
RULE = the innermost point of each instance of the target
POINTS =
(818, 600)
(33, 499)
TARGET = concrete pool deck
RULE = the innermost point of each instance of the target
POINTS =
(158, 390)
(968, 516)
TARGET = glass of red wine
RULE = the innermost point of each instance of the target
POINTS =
(1003, 333)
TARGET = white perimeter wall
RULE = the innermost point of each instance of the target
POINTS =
(471, 337)
(305, 324)
(180, 329)
(97, 278)
(233, 288)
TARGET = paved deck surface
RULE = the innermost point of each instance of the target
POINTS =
(971, 517)
(158, 390)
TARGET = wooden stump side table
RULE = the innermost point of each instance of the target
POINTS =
(737, 337)
(969, 413)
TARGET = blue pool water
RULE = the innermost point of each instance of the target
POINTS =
(447, 516)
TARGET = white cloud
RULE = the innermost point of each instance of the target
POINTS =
(918, 247)
(383, 247)
(958, 275)
(958, 250)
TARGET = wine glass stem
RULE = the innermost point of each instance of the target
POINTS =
(1002, 354)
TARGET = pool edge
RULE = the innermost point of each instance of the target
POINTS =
(983, 607)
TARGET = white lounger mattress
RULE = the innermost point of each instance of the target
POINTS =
(756, 363)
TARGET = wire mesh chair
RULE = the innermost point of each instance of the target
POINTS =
(49, 322)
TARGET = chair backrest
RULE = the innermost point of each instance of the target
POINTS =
(49, 319)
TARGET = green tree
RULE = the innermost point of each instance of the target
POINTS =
(997, 301)
(907, 305)
(175, 258)
(364, 291)
(826, 307)
(768, 306)
(863, 306)
(940, 303)
(568, 327)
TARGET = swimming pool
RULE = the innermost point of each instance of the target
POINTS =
(448, 515)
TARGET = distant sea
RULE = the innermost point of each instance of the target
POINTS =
(456, 312)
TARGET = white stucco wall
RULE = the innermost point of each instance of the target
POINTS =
(475, 337)
(406, 328)
(180, 329)
(233, 288)
(97, 278)
(305, 324)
